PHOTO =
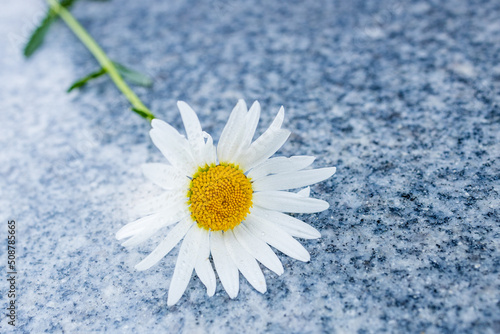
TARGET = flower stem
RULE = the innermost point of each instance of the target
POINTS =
(102, 58)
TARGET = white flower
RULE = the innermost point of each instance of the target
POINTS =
(226, 202)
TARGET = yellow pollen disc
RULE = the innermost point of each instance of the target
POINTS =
(220, 197)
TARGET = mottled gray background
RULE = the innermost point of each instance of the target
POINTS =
(401, 96)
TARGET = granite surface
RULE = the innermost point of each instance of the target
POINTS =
(402, 96)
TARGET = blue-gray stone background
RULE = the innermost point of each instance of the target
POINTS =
(402, 96)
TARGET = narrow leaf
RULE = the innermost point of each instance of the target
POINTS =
(37, 37)
(133, 76)
(143, 113)
(81, 82)
(67, 3)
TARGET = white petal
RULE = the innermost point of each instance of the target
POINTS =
(288, 202)
(280, 165)
(209, 152)
(191, 124)
(264, 147)
(226, 269)
(150, 229)
(173, 146)
(272, 136)
(139, 237)
(230, 139)
(203, 266)
(131, 228)
(193, 130)
(163, 202)
(278, 120)
(293, 180)
(291, 225)
(276, 237)
(165, 217)
(258, 249)
(245, 262)
(251, 121)
(306, 192)
(165, 176)
(184, 265)
(173, 237)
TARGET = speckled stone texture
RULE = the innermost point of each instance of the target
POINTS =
(401, 96)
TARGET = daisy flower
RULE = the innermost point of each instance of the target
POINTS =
(227, 203)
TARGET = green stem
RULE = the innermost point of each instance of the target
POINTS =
(102, 58)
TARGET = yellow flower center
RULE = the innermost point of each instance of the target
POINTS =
(220, 197)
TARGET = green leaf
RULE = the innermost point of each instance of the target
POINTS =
(37, 37)
(133, 76)
(128, 74)
(67, 3)
(81, 82)
(143, 113)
